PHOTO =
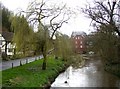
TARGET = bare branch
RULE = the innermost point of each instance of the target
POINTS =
(103, 14)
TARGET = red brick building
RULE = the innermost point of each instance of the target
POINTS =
(79, 42)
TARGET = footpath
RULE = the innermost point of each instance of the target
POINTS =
(13, 63)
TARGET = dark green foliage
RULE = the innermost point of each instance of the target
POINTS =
(113, 68)
(6, 14)
(105, 43)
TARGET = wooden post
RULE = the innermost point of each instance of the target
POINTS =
(12, 65)
(20, 63)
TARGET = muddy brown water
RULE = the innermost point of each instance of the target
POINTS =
(91, 75)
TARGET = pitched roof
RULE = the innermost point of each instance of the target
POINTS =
(7, 35)
(79, 33)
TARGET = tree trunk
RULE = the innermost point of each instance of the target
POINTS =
(44, 49)
(14, 51)
(55, 49)
(118, 47)
(6, 49)
(45, 59)
(23, 52)
(44, 62)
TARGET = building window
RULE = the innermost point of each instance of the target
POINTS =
(81, 46)
(81, 42)
(10, 50)
(78, 37)
(75, 42)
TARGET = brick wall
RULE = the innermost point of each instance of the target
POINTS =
(79, 44)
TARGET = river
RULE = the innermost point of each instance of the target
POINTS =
(91, 75)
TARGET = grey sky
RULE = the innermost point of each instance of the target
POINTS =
(80, 23)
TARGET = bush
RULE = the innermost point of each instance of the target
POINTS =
(113, 68)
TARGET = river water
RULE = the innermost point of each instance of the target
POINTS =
(91, 75)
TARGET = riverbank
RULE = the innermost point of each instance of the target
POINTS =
(110, 68)
(90, 75)
(114, 69)
(31, 75)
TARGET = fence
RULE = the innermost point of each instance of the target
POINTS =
(25, 61)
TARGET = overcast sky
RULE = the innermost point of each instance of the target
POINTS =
(80, 23)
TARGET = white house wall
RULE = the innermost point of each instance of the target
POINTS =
(10, 46)
(2, 46)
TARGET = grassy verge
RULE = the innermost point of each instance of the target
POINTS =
(31, 75)
(114, 69)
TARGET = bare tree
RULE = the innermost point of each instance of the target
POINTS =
(105, 17)
(104, 13)
(61, 16)
(39, 12)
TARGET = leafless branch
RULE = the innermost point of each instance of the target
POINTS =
(103, 13)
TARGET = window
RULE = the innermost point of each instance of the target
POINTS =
(75, 42)
(76, 37)
(81, 46)
(10, 50)
(81, 42)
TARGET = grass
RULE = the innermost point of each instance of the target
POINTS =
(114, 69)
(31, 75)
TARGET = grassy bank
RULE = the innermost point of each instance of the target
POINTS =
(114, 69)
(31, 75)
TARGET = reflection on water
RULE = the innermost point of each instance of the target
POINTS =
(92, 75)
